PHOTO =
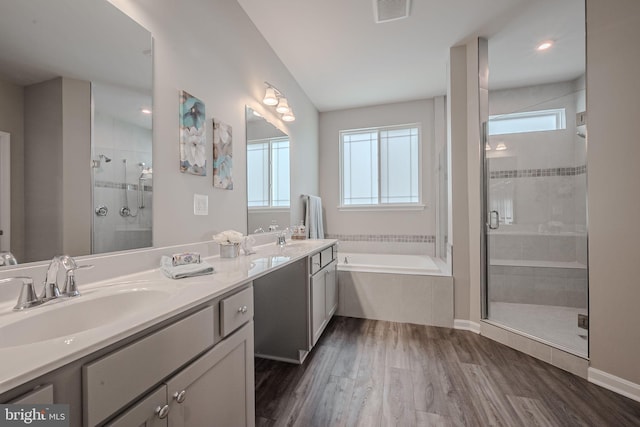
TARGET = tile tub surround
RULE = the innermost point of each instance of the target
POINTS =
(419, 299)
(133, 269)
(386, 243)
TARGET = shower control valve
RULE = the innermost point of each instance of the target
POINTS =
(125, 211)
(102, 210)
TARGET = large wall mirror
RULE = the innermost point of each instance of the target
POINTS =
(75, 129)
(268, 175)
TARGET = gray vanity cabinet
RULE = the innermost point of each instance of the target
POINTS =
(324, 299)
(218, 388)
(215, 390)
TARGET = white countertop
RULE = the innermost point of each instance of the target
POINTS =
(22, 363)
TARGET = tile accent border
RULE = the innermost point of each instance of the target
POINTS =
(120, 185)
(394, 238)
(614, 383)
(533, 173)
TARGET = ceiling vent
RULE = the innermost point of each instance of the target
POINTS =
(390, 10)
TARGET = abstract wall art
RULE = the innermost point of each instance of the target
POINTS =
(193, 158)
(222, 155)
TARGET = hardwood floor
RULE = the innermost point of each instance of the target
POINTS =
(374, 373)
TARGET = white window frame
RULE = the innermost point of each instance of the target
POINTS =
(559, 114)
(271, 208)
(419, 205)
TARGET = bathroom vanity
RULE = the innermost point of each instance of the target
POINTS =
(294, 304)
(146, 350)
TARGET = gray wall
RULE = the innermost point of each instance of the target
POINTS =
(12, 121)
(57, 134)
(43, 174)
(613, 67)
(223, 60)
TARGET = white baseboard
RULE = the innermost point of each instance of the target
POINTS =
(613, 383)
(466, 325)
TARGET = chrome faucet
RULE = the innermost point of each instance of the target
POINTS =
(28, 297)
(50, 290)
(281, 238)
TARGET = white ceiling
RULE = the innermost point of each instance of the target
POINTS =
(342, 59)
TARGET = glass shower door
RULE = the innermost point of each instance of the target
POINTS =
(535, 189)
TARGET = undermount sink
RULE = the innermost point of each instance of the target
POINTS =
(69, 317)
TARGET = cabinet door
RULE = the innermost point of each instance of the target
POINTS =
(318, 305)
(145, 413)
(331, 290)
(218, 388)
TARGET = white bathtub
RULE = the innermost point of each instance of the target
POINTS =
(389, 263)
(396, 288)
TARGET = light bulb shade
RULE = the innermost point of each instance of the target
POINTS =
(288, 116)
(501, 147)
(283, 106)
(487, 146)
(270, 97)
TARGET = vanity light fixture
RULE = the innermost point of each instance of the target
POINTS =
(270, 97)
(544, 45)
(283, 106)
(501, 147)
(288, 116)
(487, 146)
(273, 97)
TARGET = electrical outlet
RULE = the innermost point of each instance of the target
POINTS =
(200, 204)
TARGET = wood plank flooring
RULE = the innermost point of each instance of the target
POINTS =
(373, 373)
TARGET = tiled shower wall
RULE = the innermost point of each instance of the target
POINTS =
(538, 255)
(120, 140)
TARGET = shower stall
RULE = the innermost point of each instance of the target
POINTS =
(122, 176)
(535, 201)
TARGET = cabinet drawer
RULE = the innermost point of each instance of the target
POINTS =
(326, 256)
(41, 395)
(120, 377)
(315, 263)
(235, 311)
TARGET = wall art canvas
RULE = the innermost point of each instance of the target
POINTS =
(193, 158)
(222, 155)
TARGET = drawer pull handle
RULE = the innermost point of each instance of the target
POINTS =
(242, 309)
(180, 396)
(162, 411)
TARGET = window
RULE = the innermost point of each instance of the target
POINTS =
(268, 173)
(380, 166)
(529, 121)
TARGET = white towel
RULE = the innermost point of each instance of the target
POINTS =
(185, 270)
(314, 218)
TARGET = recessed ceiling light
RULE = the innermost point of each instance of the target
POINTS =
(544, 45)
(145, 111)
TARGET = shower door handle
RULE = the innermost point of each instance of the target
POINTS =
(494, 220)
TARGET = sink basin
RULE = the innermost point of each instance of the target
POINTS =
(69, 317)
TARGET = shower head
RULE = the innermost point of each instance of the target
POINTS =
(96, 163)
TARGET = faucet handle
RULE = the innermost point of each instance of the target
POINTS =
(70, 286)
(28, 297)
